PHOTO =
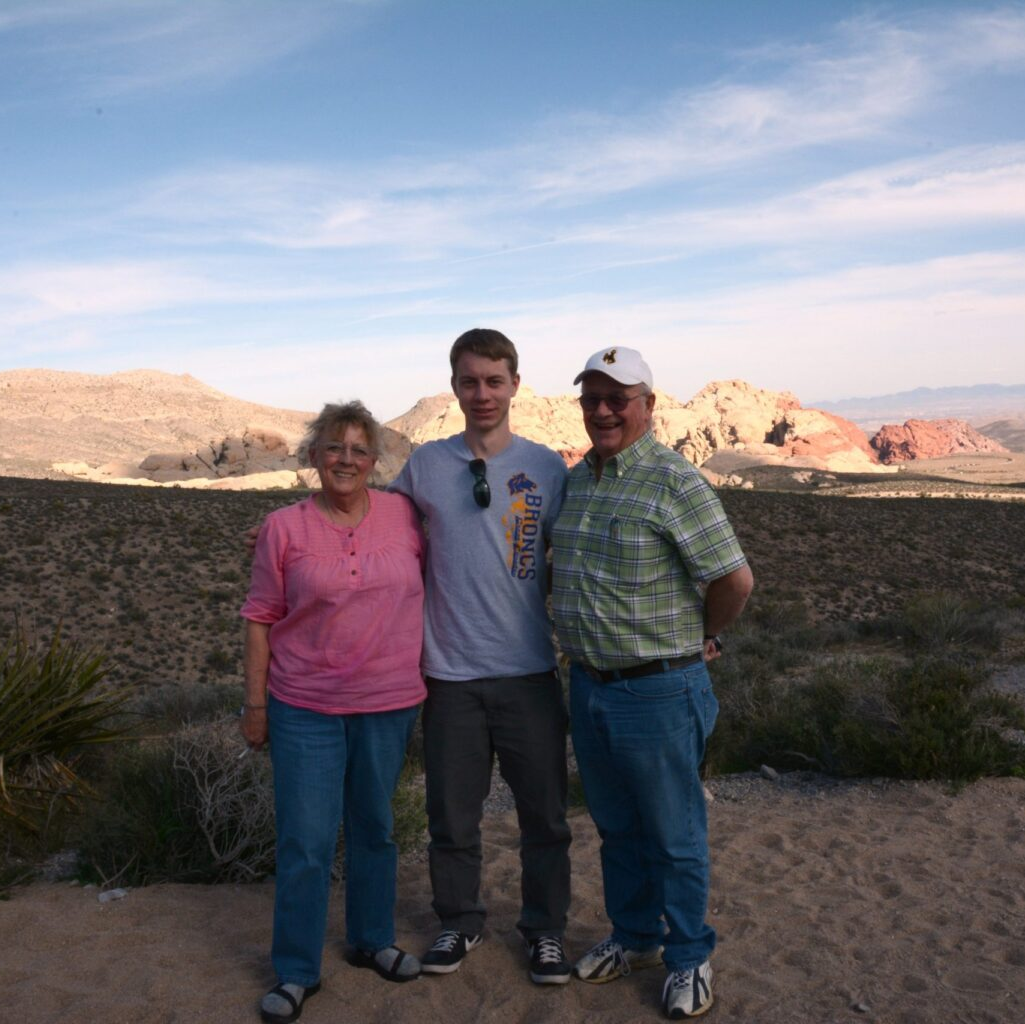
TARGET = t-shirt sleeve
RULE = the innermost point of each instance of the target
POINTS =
(696, 524)
(559, 476)
(266, 599)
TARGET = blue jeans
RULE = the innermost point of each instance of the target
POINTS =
(639, 743)
(331, 769)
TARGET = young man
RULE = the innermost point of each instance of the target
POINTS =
(647, 573)
(489, 499)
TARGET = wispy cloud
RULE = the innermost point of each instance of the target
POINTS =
(90, 290)
(539, 189)
(860, 84)
(308, 207)
(106, 48)
(915, 318)
(817, 175)
(87, 290)
(966, 189)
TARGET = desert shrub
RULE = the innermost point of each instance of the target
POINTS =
(135, 832)
(939, 619)
(773, 637)
(169, 706)
(219, 661)
(928, 720)
(184, 808)
(227, 794)
(52, 707)
(188, 808)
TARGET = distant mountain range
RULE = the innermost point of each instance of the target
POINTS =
(981, 405)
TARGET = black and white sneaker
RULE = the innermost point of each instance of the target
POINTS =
(608, 960)
(448, 951)
(548, 963)
(688, 993)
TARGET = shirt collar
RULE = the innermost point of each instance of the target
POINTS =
(617, 465)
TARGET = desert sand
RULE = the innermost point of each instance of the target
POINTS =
(875, 901)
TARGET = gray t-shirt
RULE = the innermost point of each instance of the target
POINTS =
(486, 580)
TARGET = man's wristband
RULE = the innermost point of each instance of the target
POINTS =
(714, 637)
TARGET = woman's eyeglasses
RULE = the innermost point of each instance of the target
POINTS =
(616, 403)
(481, 491)
(356, 452)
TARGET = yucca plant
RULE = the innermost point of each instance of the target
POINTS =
(52, 706)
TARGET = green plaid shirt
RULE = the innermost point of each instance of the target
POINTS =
(629, 553)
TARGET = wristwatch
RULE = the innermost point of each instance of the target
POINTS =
(714, 637)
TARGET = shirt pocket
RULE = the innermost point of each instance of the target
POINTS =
(630, 553)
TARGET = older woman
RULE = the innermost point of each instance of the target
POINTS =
(333, 636)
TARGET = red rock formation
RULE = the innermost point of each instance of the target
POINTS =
(930, 439)
(812, 432)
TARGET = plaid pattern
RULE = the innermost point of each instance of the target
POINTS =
(629, 553)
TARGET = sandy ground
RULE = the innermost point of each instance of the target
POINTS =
(875, 902)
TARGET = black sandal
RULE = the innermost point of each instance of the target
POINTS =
(297, 1007)
(361, 958)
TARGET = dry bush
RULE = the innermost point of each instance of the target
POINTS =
(229, 797)
(189, 808)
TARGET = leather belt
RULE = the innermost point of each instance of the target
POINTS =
(647, 668)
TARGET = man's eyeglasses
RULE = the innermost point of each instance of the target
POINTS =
(481, 491)
(616, 403)
(356, 452)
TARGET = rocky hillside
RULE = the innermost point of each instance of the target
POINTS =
(155, 428)
(930, 439)
(769, 427)
(145, 426)
(1009, 432)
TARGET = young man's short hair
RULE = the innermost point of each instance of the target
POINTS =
(483, 341)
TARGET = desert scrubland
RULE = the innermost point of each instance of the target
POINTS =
(836, 898)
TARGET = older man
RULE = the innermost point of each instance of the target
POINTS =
(647, 573)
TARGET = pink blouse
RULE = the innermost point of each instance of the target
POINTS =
(345, 606)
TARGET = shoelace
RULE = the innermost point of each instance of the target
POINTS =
(679, 979)
(548, 950)
(445, 942)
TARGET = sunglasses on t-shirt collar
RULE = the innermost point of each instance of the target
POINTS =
(481, 490)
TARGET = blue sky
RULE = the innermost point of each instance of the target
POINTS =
(305, 200)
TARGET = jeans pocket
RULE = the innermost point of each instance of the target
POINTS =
(656, 687)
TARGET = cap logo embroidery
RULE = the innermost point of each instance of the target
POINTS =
(609, 357)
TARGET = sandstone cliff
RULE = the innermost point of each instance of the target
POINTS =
(770, 427)
(155, 428)
(930, 439)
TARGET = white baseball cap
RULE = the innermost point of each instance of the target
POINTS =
(624, 365)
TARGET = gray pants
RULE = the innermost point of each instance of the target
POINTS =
(466, 723)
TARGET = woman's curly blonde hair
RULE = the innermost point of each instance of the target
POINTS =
(333, 420)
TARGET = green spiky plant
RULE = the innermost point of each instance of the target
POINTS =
(52, 707)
